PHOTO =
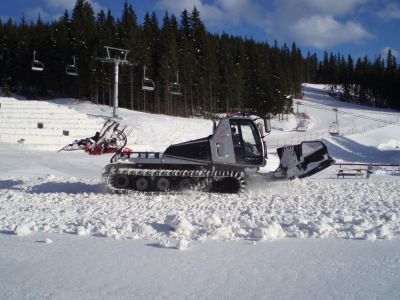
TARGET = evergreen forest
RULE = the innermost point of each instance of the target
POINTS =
(194, 72)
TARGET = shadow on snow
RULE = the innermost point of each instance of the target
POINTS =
(350, 151)
(67, 187)
(322, 97)
(9, 184)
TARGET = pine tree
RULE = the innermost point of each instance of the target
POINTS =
(198, 35)
(83, 39)
(186, 60)
(390, 79)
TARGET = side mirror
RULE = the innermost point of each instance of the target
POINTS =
(267, 125)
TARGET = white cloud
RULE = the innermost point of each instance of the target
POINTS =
(69, 4)
(210, 14)
(243, 10)
(62, 4)
(331, 7)
(34, 13)
(56, 8)
(395, 52)
(324, 31)
(317, 23)
(222, 14)
(390, 12)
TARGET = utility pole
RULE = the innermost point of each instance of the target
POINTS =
(117, 57)
(115, 102)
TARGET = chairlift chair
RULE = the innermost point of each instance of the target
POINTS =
(334, 129)
(72, 69)
(36, 65)
(175, 88)
(147, 83)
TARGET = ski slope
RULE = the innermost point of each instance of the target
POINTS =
(319, 106)
(62, 236)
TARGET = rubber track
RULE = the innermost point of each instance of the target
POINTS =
(207, 175)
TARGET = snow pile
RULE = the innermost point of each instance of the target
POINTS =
(390, 145)
(182, 244)
(270, 232)
(359, 209)
(22, 229)
(179, 225)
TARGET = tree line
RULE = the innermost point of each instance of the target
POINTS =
(213, 72)
(375, 83)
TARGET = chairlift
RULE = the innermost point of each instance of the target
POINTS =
(116, 53)
(72, 69)
(36, 65)
(147, 83)
(174, 87)
(334, 129)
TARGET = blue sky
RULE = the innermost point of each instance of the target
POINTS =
(356, 27)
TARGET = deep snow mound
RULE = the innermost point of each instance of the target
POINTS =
(360, 209)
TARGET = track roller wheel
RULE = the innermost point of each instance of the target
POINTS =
(142, 183)
(163, 184)
(121, 181)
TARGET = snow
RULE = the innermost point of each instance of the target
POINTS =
(273, 231)
(62, 236)
(299, 208)
(22, 229)
(91, 267)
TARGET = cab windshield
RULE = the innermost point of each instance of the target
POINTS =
(246, 142)
(249, 134)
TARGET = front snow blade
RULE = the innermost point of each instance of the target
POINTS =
(303, 160)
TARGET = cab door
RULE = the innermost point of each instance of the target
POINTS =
(247, 143)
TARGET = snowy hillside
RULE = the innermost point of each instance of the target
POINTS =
(62, 236)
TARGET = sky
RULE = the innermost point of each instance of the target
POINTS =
(356, 27)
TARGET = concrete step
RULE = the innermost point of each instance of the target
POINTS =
(62, 124)
(58, 141)
(19, 124)
(81, 132)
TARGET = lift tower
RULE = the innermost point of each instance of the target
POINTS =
(117, 57)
